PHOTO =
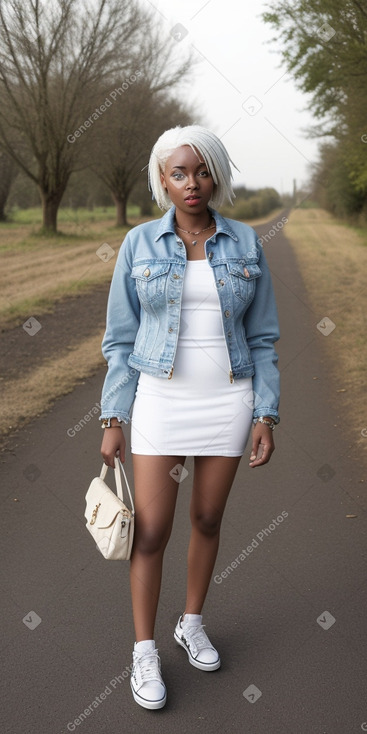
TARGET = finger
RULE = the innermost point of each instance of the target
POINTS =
(109, 460)
(256, 449)
(263, 455)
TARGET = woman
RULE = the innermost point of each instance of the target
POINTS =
(191, 326)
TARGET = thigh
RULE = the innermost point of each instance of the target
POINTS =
(155, 492)
(213, 479)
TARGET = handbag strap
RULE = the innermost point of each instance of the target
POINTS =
(118, 468)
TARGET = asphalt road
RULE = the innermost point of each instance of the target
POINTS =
(288, 617)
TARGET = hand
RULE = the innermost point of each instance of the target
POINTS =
(113, 444)
(262, 445)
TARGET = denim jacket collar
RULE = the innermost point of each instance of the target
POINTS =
(166, 225)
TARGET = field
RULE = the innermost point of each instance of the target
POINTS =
(37, 271)
(332, 258)
(55, 288)
(53, 305)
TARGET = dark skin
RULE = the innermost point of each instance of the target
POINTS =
(186, 178)
(186, 175)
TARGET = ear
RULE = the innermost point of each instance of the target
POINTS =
(163, 181)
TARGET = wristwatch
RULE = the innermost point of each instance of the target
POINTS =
(106, 423)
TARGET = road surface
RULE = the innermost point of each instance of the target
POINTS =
(287, 605)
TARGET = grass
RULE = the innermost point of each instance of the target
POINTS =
(332, 258)
(33, 216)
(56, 377)
(36, 272)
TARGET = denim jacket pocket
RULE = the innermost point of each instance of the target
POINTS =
(151, 280)
(243, 279)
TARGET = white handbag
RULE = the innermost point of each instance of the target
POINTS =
(109, 520)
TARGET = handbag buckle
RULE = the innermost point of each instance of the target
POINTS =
(94, 514)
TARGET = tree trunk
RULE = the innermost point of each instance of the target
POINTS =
(2, 208)
(8, 172)
(50, 208)
(121, 203)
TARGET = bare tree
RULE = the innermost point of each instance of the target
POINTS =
(145, 109)
(55, 58)
(127, 138)
(8, 172)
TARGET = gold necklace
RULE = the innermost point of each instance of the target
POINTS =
(187, 231)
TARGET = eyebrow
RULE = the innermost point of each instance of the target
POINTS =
(183, 168)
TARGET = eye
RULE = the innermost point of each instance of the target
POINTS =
(204, 174)
(177, 176)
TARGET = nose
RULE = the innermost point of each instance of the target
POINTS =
(192, 182)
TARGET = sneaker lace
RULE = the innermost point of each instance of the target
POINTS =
(149, 666)
(197, 637)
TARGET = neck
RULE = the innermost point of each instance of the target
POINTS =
(193, 222)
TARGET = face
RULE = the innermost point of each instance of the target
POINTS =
(187, 180)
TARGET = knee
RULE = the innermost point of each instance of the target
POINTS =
(149, 540)
(206, 523)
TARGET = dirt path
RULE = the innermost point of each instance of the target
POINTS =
(47, 358)
(72, 321)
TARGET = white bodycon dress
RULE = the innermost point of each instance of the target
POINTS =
(198, 412)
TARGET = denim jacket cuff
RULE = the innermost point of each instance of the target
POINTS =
(122, 417)
(266, 411)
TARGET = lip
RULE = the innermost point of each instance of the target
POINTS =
(193, 200)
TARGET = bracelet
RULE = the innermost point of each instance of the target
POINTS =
(106, 423)
(267, 422)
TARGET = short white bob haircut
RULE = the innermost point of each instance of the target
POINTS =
(210, 148)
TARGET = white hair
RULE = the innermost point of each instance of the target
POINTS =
(212, 150)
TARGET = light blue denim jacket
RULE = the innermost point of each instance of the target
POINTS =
(144, 306)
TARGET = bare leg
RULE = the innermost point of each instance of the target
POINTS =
(155, 502)
(213, 478)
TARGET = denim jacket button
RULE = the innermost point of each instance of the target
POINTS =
(146, 273)
(175, 276)
(170, 330)
(172, 300)
(227, 314)
(210, 255)
(221, 282)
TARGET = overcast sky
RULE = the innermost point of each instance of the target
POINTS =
(247, 98)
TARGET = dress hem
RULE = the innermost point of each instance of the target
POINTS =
(180, 453)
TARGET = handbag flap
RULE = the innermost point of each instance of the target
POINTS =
(103, 505)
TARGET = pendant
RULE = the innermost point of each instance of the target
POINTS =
(194, 242)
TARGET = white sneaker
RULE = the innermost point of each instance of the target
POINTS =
(146, 680)
(190, 634)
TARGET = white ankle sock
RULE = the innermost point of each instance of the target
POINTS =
(192, 620)
(144, 646)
